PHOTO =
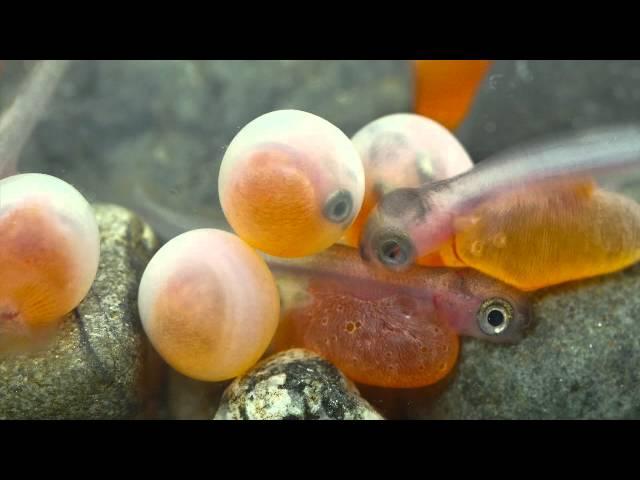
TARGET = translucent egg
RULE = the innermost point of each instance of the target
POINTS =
(49, 251)
(208, 304)
(403, 150)
(291, 183)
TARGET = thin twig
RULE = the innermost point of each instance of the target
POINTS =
(19, 120)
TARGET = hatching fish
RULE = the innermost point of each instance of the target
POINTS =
(532, 216)
(390, 329)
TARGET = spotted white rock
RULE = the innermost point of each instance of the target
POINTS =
(294, 385)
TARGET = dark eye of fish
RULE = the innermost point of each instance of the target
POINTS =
(495, 316)
(338, 207)
(393, 250)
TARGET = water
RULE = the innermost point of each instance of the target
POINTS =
(150, 136)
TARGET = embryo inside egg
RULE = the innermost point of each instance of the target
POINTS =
(403, 150)
(291, 183)
(49, 251)
(209, 304)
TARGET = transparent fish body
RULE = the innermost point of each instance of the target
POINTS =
(388, 329)
(532, 217)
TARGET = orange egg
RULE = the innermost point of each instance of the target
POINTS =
(290, 183)
(445, 89)
(208, 304)
(49, 251)
(403, 150)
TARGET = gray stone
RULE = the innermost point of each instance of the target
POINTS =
(294, 385)
(525, 99)
(99, 365)
(150, 135)
(579, 362)
(189, 399)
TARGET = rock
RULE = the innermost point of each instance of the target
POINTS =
(142, 133)
(294, 385)
(100, 365)
(524, 99)
(579, 362)
(190, 399)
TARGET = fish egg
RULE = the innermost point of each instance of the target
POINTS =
(291, 183)
(49, 251)
(209, 304)
(403, 150)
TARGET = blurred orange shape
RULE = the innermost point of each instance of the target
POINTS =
(445, 89)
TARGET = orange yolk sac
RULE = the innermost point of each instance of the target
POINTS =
(387, 329)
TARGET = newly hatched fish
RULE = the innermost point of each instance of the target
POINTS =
(403, 150)
(531, 216)
(290, 183)
(445, 89)
(49, 238)
(387, 329)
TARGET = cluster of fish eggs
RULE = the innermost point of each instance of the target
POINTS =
(291, 184)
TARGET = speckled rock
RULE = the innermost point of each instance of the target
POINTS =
(147, 133)
(294, 385)
(523, 99)
(100, 365)
(580, 361)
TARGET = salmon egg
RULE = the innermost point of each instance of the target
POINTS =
(49, 251)
(291, 183)
(403, 150)
(209, 304)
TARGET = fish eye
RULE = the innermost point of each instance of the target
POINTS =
(495, 316)
(338, 207)
(393, 250)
